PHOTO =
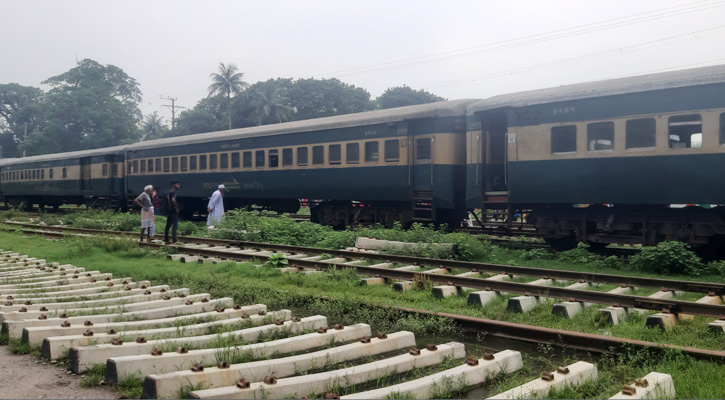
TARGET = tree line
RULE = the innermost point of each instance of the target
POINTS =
(94, 105)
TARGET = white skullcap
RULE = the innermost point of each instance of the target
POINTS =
(221, 187)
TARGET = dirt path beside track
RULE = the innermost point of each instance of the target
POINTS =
(27, 377)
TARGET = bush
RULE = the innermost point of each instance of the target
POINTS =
(668, 257)
(580, 254)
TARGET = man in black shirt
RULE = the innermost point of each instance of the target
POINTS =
(172, 211)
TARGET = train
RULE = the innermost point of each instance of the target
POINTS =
(597, 163)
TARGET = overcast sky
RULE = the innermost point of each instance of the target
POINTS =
(455, 49)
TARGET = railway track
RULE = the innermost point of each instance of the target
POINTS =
(148, 351)
(162, 334)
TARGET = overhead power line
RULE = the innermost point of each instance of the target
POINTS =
(535, 38)
(635, 47)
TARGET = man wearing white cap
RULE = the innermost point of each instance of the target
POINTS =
(216, 206)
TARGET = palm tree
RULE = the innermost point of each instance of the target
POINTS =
(269, 107)
(228, 81)
(153, 127)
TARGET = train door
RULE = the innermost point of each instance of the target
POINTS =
(85, 177)
(493, 156)
(421, 164)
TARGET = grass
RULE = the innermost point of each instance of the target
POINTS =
(343, 299)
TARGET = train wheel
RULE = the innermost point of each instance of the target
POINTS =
(562, 243)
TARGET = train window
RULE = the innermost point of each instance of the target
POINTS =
(150, 163)
(65, 172)
(114, 170)
(371, 151)
(202, 162)
(128, 168)
(274, 158)
(563, 139)
(213, 161)
(352, 153)
(392, 150)
(259, 159)
(184, 163)
(158, 165)
(33, 174)
(600, 136)
(235, 160)
(335, 154)
(143, 166)
(318, 154)
(224, 160)
(192, 163)
(175, 164)
(685, 131)
(104, 170)
(423, 149)
(50, 173)
(302, 156)
(722, 128)
(135, 167)
(167, 164)
(42, 174)
(640, 133)
(247, 159)
(287, 157)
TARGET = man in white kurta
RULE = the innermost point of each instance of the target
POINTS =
(215, 208)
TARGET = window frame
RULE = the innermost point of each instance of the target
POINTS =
(386, 147)
(318, 155)
(334, 150)
(273, 158)
(372, 156)
(259, 159)
(236, 160)
(674, 124)
(184, 163)
(203, 165)
(247, 159)
(352, 148)
(193, 163)
(595, 128)
(628, 145)
(224, 161)
(561, 139)
(287, 155)
(420, 156)
(213, 162)
(167, 164)
(303, 156)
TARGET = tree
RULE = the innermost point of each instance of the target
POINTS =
(90, 106)
(20, 113)
(405, 96)
(227, 82)
(315, 98)
(206, 116)
(268, 106)
(153, 127)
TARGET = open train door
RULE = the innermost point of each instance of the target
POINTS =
(85, 178)
(488, 185)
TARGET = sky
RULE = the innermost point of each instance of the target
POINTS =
(455, 48)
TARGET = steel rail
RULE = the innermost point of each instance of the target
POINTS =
(636, 281)
(559, 337)
(526, 333)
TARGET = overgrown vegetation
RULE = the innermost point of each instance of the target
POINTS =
(251, 226)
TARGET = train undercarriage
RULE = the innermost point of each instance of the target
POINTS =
(563, 227)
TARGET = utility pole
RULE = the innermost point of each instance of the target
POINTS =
(173, 108)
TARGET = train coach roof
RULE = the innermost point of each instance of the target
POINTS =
(641, 83)
(64, 156)
(439, 109)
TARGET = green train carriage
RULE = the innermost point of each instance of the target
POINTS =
(91, 177)
(405, 164)
(605, 162)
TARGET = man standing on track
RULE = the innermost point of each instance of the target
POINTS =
(215, 208)
(172, 211)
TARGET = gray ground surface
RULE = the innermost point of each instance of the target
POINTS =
(22, 377)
